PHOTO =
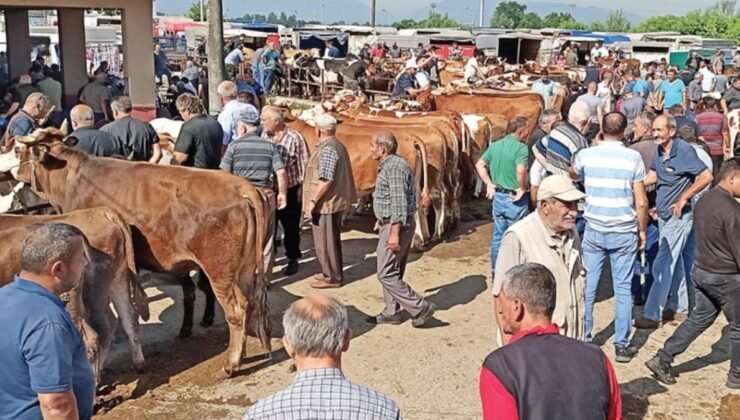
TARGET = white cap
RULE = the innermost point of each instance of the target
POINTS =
(560, 187)
(411, 64)
(325, 122)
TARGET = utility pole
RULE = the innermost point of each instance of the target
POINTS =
(372, 14)
(202, 15)
(482, 13)
(322, 12)
(216, 73)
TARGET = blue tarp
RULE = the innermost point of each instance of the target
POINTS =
(255, 26)
(608, 39)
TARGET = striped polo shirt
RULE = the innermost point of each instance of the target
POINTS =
(712, 125)
(252, 158)
(608, 171)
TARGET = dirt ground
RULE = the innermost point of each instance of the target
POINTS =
(432, 373)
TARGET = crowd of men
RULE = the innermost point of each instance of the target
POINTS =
(618, 179)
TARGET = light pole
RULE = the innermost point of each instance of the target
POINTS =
(202, 15)
(322, 12)
(482, 12)
(387, 16)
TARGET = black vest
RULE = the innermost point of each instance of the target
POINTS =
(553, 377)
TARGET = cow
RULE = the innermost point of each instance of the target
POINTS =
(181, 219)
(733, 121)
(109, 276)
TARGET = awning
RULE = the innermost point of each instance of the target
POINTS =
(340, 37)
(521, 35)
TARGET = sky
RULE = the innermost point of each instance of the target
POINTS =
(416, 8)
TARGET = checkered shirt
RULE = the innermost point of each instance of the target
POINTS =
(294, 152)
(324, 394)
(327, 161)
(395, 190)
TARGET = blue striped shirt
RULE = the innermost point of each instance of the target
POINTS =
(609, 171)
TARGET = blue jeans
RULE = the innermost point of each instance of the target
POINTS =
(672, 268)
(621, 249)
(505, 213)
(269, 78)
(257, 75)
(640, 291)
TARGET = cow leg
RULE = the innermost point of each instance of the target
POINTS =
(421, 235)
(129, 318)
(209, 311)
(188, 302)
(478, 187)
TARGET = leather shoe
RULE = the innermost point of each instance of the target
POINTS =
(321, 284)
(646, 324)
(292, 268)
(382, 319)
(424, 316)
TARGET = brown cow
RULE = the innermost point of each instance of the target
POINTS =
(181, 218)
(110, 276)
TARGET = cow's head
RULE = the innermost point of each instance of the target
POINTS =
(44, 148)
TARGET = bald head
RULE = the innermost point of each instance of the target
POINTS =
(25, 79)
(82, 116)
(579, 114)
(316, 326)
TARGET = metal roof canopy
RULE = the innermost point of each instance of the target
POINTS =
(340, 37)
(521, 35)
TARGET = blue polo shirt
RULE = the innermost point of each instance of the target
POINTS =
(41, 352)
(676, 172)
(672, 92)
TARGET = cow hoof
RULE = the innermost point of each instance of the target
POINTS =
(224, 374)
(206, 322)
(185, 332)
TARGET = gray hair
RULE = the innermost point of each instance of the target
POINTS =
(388, 141)
(122, 104)
(36, 99)
(274, 113)
(316, 326)
(550, 115)
(227, 89)
(647, 118)
(579, 113)
(82, 113)
(533, 285)
(47, 244)
(670, 121)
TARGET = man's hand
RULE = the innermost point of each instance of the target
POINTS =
(309, 210)
(393, 243)
(376, 228)
(679, 205)
(281, 201)
(653, 213)
(518, 194)
(490, 191)
(641, 240)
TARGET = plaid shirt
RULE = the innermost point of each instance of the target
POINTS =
(395, 190)
(324, 394)
(327, 161)
(294, 152)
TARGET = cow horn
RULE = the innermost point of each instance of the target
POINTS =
(65, 127)
(31, 139)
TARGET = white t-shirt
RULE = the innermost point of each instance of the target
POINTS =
(471, 68)
(706, 83)
(422, 79)
(536, 173)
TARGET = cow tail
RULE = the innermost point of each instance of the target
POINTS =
(425, 199)
(465, 136)
(136, 292)
(258, 297)
(141, 301)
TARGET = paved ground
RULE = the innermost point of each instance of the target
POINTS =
(431, 373)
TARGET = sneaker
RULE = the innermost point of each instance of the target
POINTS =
(292, 268)
(624, 354)
(424, 316)
(321, 284)
(382, 319)
(646, 323)
(733, 382)
(669, 314)
(662, 370)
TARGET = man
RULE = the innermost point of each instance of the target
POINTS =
(316, 335)
(269, 61)
(594, 102)
(365, 52)
(707, 77)
(731, 99)
(45, 371)
(394, 206)
(718, 62)
(556, 151)
(200, 139)
(354, 75)
(548, 236)
(716, 274)
(227, 93)
(232, 61)
(548, 118)
(545, 88)
(255, 65)
(294, 153)
(599, 51)
(89, 139)
(714, 130)
(419, 50)
(694, 60)
(328, 193)
(571, 58)
(632, 106)
(616, 221)
(679, 114)
(97, 96)
(472, 71)
(541, 374)
(456, 52)
(332, 51)
(251, 83)
(28, 119)
(192, 73)
(673, 91)
(406, 85)
(394, 52)
(256, 160)
(503, 169)
(22, 91)
(51, 89)
(719, 85)
(679, 175)
(593, 75)
(695, 91)
(138, 138)
(639, 86)
(160, 65)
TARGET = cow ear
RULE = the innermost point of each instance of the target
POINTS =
(70, 141)
(39, 152)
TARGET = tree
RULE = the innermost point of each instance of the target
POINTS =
(616, 22)
(531, 21)
(724, 7)
(508, 15)
(194, 12)
(561, 20)
(433, 20)
(272, 18)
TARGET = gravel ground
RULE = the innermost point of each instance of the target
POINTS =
(432, 373)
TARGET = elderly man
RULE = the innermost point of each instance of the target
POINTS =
(228, 93)
(294, 153)
(394, 205)
(97, 96)
(140, 141)
(256, 160)
(556, 151)
(316, 335)
(548, 236)
(679, 175)
(199, 142)
(328, 193)
(529, 374)
(616, 221)
(89, 139)
(548, 118)
(33, 114)
(406, 85)
(22, 91)
(716, 275)
(45, 371)
(632, 105)
(695, 92)
(731, 99)
(503, 169)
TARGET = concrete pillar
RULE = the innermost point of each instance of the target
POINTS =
(18, 41)
(72, 46)
(138, 58)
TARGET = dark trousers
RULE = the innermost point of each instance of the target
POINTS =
(714, 293)
(717, 163)
(290, 219)
(397, 294)
(326, 230)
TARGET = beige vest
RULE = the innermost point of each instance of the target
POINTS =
(563, 258)
(341, 193)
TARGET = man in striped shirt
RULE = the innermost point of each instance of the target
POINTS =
(714, 130)
(555, 151)
(616, 219)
